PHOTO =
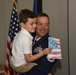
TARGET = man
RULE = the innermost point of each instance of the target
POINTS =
(40, 42)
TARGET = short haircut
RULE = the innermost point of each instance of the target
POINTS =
(43, 15)
(25, 14)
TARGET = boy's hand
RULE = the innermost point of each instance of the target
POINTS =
(47, 51)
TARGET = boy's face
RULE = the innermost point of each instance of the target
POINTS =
(42, 26)
(30, 25)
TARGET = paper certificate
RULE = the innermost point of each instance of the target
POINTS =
(54, 43)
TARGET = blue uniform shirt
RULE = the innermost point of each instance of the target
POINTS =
(44, 66)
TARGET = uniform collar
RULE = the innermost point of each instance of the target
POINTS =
(37, 38)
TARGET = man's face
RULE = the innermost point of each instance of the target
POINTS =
(42, 26)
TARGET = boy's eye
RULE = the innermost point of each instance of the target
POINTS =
(32, 23)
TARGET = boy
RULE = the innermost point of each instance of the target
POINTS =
(22, 58)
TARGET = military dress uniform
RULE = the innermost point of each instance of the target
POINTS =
(44, 67)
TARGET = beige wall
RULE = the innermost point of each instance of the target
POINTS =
(62, 18)
(2, 32)
(72, 36)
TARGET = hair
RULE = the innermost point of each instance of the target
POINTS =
(43, 15)
(25, 14)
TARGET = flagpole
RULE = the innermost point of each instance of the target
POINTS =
(15, 2)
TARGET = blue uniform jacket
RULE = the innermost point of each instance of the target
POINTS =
(44, 66)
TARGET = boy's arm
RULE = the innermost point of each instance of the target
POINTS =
(30, 58)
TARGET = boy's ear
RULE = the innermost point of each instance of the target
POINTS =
(22, 24)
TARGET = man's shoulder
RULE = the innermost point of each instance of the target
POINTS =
(45, 37)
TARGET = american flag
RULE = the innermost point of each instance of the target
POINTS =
(54, 43)
(35, 10)
(13, 30)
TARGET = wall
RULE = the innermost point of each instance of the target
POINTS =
(72, 36)
(2, 32)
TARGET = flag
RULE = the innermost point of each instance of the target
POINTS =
(54, 43)
(13, 30)
(37, 6)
